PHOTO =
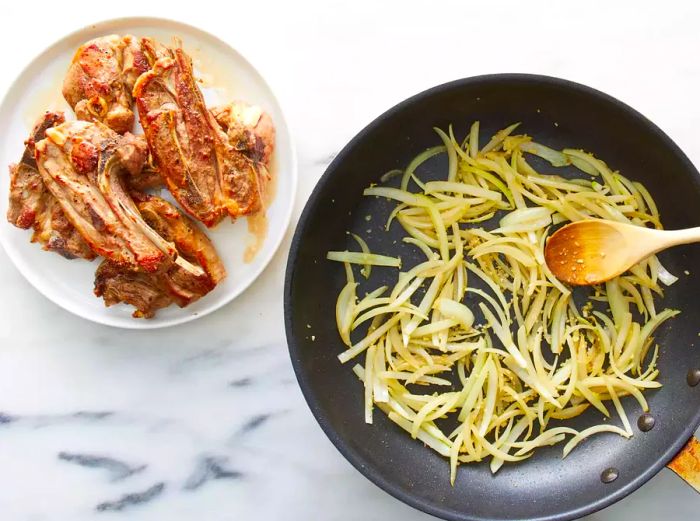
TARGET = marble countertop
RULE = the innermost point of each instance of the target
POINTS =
(205, 421)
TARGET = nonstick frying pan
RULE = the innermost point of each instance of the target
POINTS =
(546, 487)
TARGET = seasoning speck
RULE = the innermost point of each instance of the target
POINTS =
(313, 338)
(308, 326)
(368, 217)
(686, 272)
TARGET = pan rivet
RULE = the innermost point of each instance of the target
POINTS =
(609, 475)
(693, 377)
(646, 422)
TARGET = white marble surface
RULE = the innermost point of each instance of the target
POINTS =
(205, 421)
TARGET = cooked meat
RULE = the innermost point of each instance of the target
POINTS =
(57, 233)
(250, 131)
(139, 173)
(33, 206)
(203, 171)
(148, 292)
(132, 153)
(134, 61)
(191, 242)
(116, 284)
(147, 179)
(100, 79)
(26, 192)
(153, 50)
(79, 165)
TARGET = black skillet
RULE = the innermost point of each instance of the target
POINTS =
(560, 114)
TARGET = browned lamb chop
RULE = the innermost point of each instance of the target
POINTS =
(80, 164)
(101, 77)
(201, 168)
(250, 130)
(148, 292)
(33, 206)
(145, 291)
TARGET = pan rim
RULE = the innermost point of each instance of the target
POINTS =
(340, 443)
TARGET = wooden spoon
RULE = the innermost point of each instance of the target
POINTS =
(594, 251)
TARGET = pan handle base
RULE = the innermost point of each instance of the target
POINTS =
(687, 463)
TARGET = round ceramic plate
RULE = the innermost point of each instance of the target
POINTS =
(225, 76)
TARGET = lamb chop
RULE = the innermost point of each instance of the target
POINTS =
(250, 130)
(33, 206)
(148, 292)
(101, 77)
(80, 164)
(145, 291)
(201, 168)
(191, 243)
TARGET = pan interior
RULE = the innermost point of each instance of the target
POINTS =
(558, 114)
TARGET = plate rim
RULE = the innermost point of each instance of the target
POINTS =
(142, 324)
(344, 446)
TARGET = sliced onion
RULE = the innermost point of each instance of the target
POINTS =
(666, 277)
(455, 311)
(554, 157)
(364, 258)
(512, 377)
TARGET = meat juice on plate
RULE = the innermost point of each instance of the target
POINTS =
(48, 98)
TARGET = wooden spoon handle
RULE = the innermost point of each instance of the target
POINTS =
(676, 237)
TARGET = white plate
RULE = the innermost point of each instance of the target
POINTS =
(227, 76)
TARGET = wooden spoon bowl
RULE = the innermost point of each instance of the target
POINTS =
(593, 251)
